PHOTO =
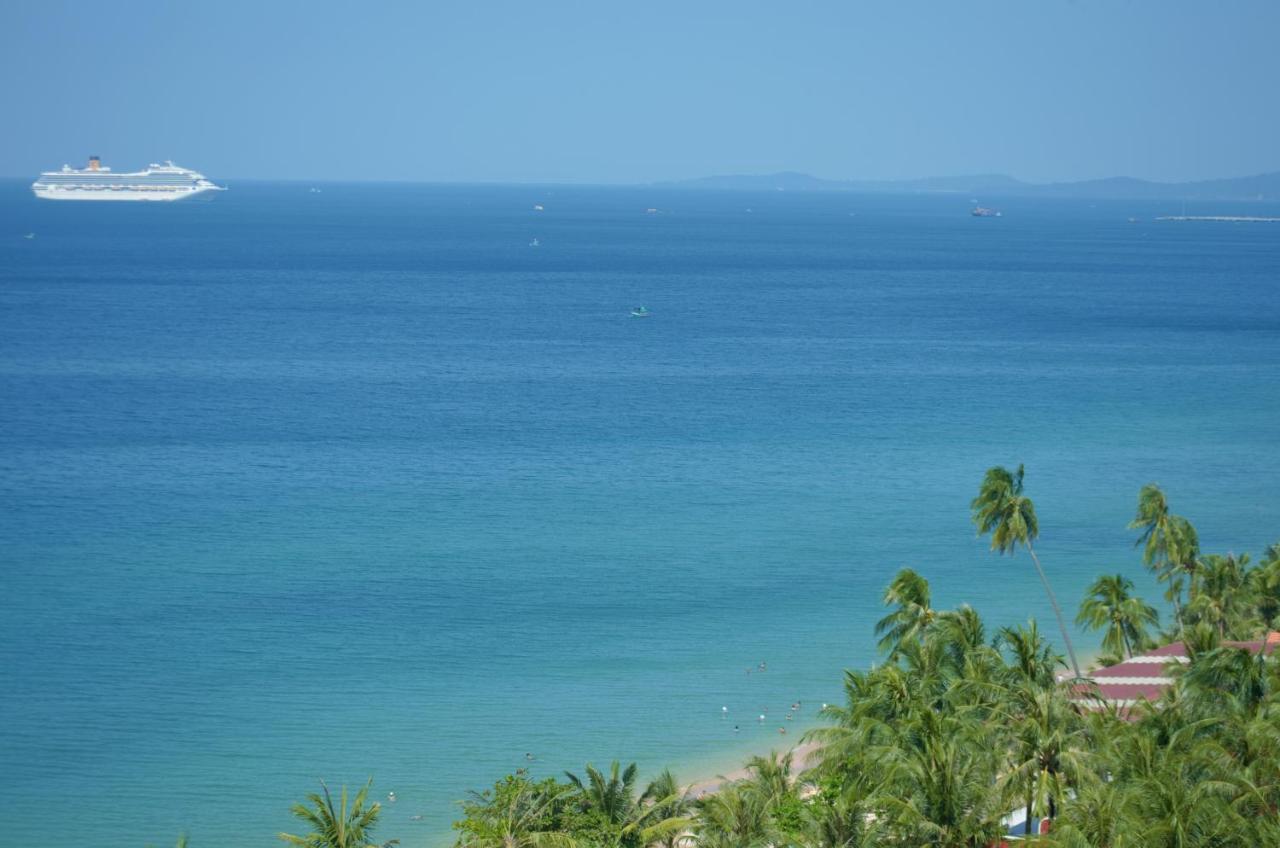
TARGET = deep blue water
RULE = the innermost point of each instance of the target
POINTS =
(358, 483)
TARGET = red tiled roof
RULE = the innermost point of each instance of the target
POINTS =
(1146, 676)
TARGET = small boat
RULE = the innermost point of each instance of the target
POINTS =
(639, 312)
(533, 243)
(537, 207)
(315, 190)
(29, 236)
(984, 212)
(651, 211)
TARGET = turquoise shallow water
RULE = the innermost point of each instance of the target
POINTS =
(359, 483)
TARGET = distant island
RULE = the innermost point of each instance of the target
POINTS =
(1260, 187)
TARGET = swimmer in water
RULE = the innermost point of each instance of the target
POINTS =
(782, 730)
(391, 797)
(528, 757)
(735, 728)
(724, 711)
(762, 718)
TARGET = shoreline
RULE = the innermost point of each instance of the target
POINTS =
(802, 759)
(803, 753)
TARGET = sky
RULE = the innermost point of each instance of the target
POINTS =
(649, 90)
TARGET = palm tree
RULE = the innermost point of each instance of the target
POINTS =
(1223, 600)
(1002, 510)
(770, 777)
(516, 814)
(733, 818)
(1265, 580)
(1033, 659)
(1099, 816)
(1110, 604)
(613, 798)
(631, 820)
(1169, 543)
(962, 634)
(338, 825)
(840, 820)
(938, 784)
(668, 807)
(1049, 750)
(913, 616)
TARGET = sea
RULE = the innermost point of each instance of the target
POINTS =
(363, 483)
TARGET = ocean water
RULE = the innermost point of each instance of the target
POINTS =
(350, 484)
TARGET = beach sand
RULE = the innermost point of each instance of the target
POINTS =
(802, 759)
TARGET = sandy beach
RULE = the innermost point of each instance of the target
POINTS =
(802, 758)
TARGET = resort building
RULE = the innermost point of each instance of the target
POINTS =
(1145, 677)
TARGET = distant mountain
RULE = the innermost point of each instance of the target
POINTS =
(1259, 187)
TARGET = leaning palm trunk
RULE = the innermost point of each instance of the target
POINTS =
(1062, 624)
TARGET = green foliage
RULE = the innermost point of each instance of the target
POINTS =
(337, 825)
(910, 593)
(518, 813)
(1126, 620)
(1002, 510)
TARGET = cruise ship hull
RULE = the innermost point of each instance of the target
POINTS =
(57, 193)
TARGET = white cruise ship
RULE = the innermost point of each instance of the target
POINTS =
(157, 182)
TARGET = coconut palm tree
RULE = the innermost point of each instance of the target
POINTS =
(910, 592)
(614, 797)
(515, 814)
(1049, 750)
(630, 820)
(938, 784)
(733, 818)
(1224, 600)
(1002, 510)
(1099, 816)
(1033, 660)
(962, 634)
(770, 777)
(1110, 604)
(667, 811)
(842, 819)
(1265, 586)
(1170, 546)
(339, 825)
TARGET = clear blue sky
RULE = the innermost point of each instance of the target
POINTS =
(638, 91)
